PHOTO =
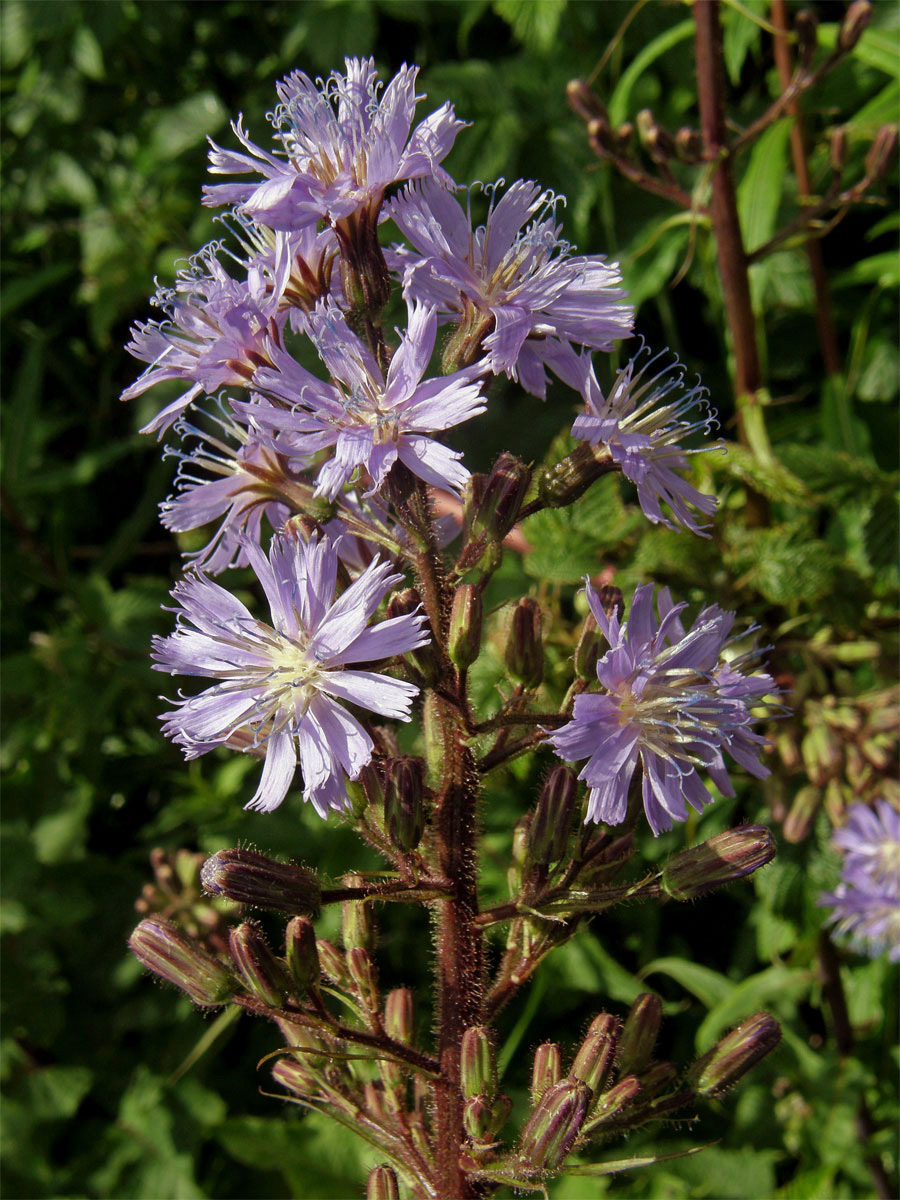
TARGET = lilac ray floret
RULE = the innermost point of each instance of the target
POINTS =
(671, 703)
(229, 476)
(280, 683)
(342, 144)
(866, 902)
(372, 419)
(511, 281)
(643, 423)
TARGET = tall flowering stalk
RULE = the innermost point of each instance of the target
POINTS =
(323, 481)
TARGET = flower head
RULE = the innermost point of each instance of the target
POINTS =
(343, 145)
(512, 280)
(672, 703)
(642, 423)
(371, 418)
(228, 475)
(277, 686)
(866, 902)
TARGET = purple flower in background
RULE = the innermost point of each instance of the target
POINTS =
(866, 902)
(229, 476)
(282, 682)
(642, 423)
(511, 281)
(671, 703)
(372, 419)
(342, 146)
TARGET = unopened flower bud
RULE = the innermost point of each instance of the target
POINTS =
(465, 626)
(735, 1054)
(552, 821)
(398, 1015)
(382, 1184)
(555, 1124)
(484, 1116)
(806, 27)
(261, 972)
(404, 804)
(333, 963)
(639, 1033)
(587, 649)
(357, 921)
(248, 877)
(799, 821)
(367, 790)
(688, 144)
(425, 658)
(821, 751)
(881, 151)
(724, 858)
(173, 956)
(600, 135)
(658, 1077)
(478, 1068)
(583, 100)
(524, 649)
(546, 1071)
(853, 26)
(296, 1076)
(613, 1102)
(302, 954)
(623, 136)
(504, 492)
(364, 974)
(595, 1056)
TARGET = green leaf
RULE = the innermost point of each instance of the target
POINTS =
(620, 100)
(881, 269)
(534, 24)
(86, 53)
(187, 124)
(771, 479)
(710, 987)
(740, 34)
(809, 1185)
(54, 1093)
(759, 193)
(770, 988)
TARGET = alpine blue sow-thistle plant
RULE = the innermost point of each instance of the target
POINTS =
(324, 481)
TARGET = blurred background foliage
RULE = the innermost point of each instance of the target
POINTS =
(116, 1087)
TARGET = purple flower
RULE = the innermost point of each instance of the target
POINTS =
(343, 146)
(371, 418)
(642, 424)
(277, 685)
(218, 329)
(866, 902)
(229, 476)
(672, 703)
(511, 281)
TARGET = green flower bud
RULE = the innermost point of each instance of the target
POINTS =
(333, 963)
(553, 1127)
(658, 1077)
(524, 649)
(302, 954)
(170, 954)
(262, 973)
(501, 500)
(365, 976)
(382, 1184)
(367, 790)
(734, 1055)
(398, 1015)
(724, 858)
(248, 877)
(296, 1076)
(465, 626)
(484, 1117)
(597, 1052)
(547, 1069)
(640, 1033)
(478, 1068)
(613, 1103)
(587, 649)
(583, 100)
(549, 830)
(357, 921)
(404, 805)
